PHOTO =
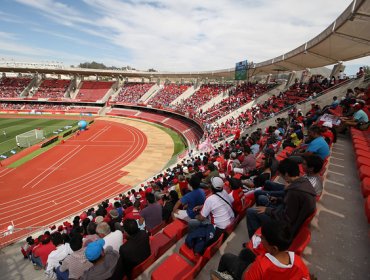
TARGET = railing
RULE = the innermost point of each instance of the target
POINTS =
(13, 235)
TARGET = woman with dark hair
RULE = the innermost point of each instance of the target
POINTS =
(169, 203)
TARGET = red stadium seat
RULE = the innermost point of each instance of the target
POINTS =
(230, 228)
(140, 268)
(176, 267)
(176, 229)
(362, 161)
(365, 187)
(157, 228)
(367, 208)
(364, 171)
(301, 241)
(208, 253)
(160, 243)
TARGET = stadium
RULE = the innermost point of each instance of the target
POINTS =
(258, 171)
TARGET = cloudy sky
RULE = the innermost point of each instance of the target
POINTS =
(168, 35)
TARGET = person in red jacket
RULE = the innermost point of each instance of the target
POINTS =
(41, 253)
(277, 263)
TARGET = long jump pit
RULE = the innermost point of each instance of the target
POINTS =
(110, 157)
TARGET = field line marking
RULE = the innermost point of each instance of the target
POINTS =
(56, 167)
(141, 142)
(66, 155)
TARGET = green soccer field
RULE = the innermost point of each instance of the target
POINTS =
(10, 128)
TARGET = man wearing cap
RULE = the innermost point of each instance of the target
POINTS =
(219, 205)
(114, 219)
(113, 239)
(74, 265)
(104, 261)
(327, 133)
(359, 117)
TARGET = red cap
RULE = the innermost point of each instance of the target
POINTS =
(83, 216)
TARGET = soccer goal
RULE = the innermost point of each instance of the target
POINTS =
(29, 138)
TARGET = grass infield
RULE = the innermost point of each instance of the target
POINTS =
(10, 128)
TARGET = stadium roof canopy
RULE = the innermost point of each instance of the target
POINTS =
(347, 38)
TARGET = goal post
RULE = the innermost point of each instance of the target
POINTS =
(29, 138)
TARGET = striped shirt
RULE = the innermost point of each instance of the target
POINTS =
(76, 264)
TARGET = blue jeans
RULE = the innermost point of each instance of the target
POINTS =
(270, 189)
(273, 186)
(194, 224)
(36, 261)
(62, 275)
(255, 220)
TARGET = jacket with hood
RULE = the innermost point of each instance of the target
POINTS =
(299, 203)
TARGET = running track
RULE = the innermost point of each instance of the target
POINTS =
(69, 177)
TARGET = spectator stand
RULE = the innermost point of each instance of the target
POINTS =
(322, 98)
(131, 92)
(93, 91)
(14, 87)
(52, 88)
(189, 92)
(151, 92)
(167, 94)
(205, 93)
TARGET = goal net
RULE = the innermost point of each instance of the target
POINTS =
(29, 138)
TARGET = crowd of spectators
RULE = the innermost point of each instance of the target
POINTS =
(107, 241)
(13, 87)
(276, 103)
(10, 106)
(52, 88)
(241, 95)
(201, 97)
(132, 92)
(167, 94)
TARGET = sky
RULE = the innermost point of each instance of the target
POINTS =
(167, 35)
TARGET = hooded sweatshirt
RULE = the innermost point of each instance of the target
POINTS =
(299, 203)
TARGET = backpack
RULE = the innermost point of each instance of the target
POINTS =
(198, 238)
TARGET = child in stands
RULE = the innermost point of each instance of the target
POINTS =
(277, 263)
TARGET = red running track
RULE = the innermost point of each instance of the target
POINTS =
(69, 177)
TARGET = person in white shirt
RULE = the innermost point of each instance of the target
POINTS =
(219, 206)
(60, 253)
(113, 239)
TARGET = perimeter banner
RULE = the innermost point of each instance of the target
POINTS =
(241, 69)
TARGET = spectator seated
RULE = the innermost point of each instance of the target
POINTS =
(132, 92)
(167, 94)
(52, 88)
(201, 97)
(13, 87)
